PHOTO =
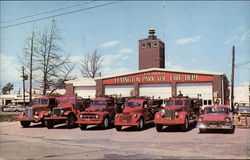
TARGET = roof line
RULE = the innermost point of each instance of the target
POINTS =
(161, 69)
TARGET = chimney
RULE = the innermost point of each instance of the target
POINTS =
(151, 34)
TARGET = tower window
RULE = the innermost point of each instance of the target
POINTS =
(155, 45)
(148, 45)
(143, 45)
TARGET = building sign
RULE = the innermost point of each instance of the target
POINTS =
(158, 77)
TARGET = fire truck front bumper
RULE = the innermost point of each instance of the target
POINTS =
(208, 125)
(123, 122)
(29, 119)
(55, 118)
(89, 121)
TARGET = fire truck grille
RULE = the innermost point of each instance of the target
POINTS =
(57, 112)
(170, 114)
(88, 116)
(29, 112)
(126, 117)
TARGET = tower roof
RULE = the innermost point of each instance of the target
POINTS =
(151, 35)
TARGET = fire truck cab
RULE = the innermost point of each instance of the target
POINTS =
(137, 112)
(180, 110)
(66, 111)
(101, 112)
(36, 113)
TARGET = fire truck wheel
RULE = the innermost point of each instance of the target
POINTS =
(118, 128)
(49, 124)
(159, 127)
(185, 126)
(105, 123)
(70, 122)
(83, 126)
(43, 122)
(140, 124)
(202, 130)
(25, 124)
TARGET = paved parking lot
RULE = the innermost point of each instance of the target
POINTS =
(60, 143)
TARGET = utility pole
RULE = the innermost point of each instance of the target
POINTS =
(232, 80)
(31, 62)
(25, 77)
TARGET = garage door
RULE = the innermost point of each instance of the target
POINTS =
(157, 90)
(85, 92)
(123, 90)
(193, 89)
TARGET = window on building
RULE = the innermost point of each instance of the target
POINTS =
(143, 45)
(148, 45)
(205, 102)
(155, 45)
(209, 102)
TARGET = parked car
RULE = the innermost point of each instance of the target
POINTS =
(11, 108)
(216, 117)
(243, 111)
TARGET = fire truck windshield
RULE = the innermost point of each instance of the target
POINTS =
(134, 104)
(174, 102)
(213, 110)
(40, 101)
(66, 100)
(244, 109)
(98, 103)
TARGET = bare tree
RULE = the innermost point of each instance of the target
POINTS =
(91, 65)
(28, 57)
(62, 76)
(51, 59)
(7, 88)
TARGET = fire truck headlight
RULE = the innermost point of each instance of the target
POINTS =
(81, 116)
(100, 109)
(116, 116)
(96, 116)
(163, 112)
(200, 119)
(135, 115)
(36, 113)
(176, 113)
(62, 111)
(227, 120)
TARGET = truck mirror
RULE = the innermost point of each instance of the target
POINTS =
(202, 111)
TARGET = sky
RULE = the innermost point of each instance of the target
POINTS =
(198, 35)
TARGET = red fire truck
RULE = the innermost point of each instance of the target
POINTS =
(182, 111)
(40, 107)
(101, 112)
(137, 112)
(66, 111)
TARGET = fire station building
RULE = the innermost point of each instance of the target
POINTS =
(152, 79)
(163, 83)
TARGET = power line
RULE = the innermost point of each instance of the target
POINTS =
(60, 14)
(54, 10)
(242, 64)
